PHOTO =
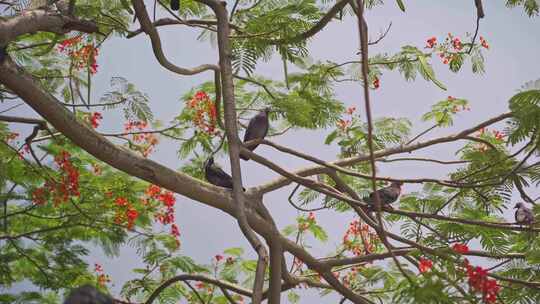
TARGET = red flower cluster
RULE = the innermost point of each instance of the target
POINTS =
(460, 248)
(59, 191)
(147, 140)
(94, 119)
(376, 82)
(357, 233)
(351, 110)
(431, 42)
(425, 265)
(205, 113)
(218, 257)
(126, 213)
(479, 281)
(498, 135)
(456, 43)
(175, 231)
(166, 214)
(484, 43)
(69, 43)
(102, 278)
(81, 54)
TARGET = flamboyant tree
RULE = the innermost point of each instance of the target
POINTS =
(67, 188)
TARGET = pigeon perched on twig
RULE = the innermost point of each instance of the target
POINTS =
(175, 5)
(523, 215)
(387, 195)
(216, 176)
(87, 294)
(257, 129)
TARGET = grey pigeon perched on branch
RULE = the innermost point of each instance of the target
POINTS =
(216, 176)
(175, 5)
(257, 129)
(87, 294)
(387, 195)
(523, 214)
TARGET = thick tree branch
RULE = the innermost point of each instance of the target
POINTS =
(41, 20)
(148, 28)
(340, 4)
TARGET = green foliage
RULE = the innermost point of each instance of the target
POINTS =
(525, 107)
(49, 241)
(441, 112)
(531, 7)
(135, 104)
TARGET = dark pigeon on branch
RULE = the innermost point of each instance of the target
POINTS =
(87, 294)
(257, 129)
(3, 53)
(387, 195)
(216, 176)
(175, 5)
(523, 215)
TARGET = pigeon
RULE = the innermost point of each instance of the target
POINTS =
(387, 195)
(87, 294)
(175, 5)
(3, 53)
(216, 176)
(257, 129)
(523, 214)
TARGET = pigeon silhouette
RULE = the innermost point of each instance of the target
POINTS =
(216, 176)
(523, 215)
(387, 195)
(87, 294)
(175, 5)
(257, 129)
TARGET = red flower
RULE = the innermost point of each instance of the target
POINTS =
(451, 98)
(498, 135)
(199, 285)
(351, 110)
(431, 42)
(218, 257)
(95, 118)
(484, 43)
(38, 196)
(200, 95)
(456, 43)
(460, 248)
(376, 83)
(121, 201)
(425, 265)
(174, 230)
(167, 198)
(98, 267)
(153, 191)
(132, 214)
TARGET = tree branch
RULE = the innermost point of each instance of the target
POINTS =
(41, 20)
(148, 28)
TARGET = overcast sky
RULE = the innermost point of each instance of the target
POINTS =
(511, 61)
